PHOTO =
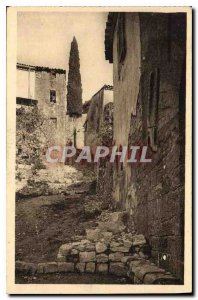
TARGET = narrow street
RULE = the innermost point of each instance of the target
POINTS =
(45, 222)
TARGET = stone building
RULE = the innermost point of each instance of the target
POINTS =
(95, 114)
(46, 88)
(148, 52)
(75, 130)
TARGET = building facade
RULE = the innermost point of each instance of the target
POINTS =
(148, 52)
(46, 88)
(95, 115)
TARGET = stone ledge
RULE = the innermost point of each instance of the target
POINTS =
(145, 272)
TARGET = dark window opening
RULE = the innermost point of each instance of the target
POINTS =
(53, 96)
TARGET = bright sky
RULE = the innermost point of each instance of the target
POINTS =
(44, 39)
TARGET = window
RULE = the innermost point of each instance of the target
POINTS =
(153, 99)
(53, 96)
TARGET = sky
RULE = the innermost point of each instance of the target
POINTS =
(44, 39)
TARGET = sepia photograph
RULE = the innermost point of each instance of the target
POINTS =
(99, 150)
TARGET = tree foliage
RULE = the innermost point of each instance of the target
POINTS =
(74, 87)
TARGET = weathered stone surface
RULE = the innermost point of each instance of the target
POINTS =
(117, 217)
(90, 247)
(87, 256)
(117, 268)
(41, 268)
(72, 256)
(157, 278)
(66, 267)
(102, 268)
(85, 245)
(107, 236)
(117, 256)
(128, 258)
(127, 243)
(90, 267)
(112, 227)
(101, 247)
(20, 265)
(141, 271)
(102, 258)
(115, 244)
(64, 249)
(137, 263)
(60, 258)
(80, 267)
(31, 268)
(50, 267)
(139, 240)
(28, 268)
(120, 249)
(92, 234)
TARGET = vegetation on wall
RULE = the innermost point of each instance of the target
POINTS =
(34, 132)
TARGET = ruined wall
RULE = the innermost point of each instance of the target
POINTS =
(95, 115)
(153, 193)
(44, 82)
(74, 126)
(104, 166)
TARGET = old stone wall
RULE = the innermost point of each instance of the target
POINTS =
(95, 115)
(74, 129)
(56, 111)
(153, 193)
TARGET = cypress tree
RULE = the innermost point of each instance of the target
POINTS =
(74, 86)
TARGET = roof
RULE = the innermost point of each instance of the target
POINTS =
(109, 32)
(39, 68)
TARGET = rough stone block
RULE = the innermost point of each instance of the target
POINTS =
(90, 267)
(123, 249)
(127, 259)
(157, 278)
(66, 267)
(118, 269)
(127, 243)
(60, 258)
(139, 240)
(80, 267)
(30, 268)
(20, 266)
(41, 268)
(51, 267)
(102, 268)
(101, 247)
(87, 256)
(90, 247)
(92, 234)
(141, 271)
(102, 258)
(64, 249)
(116, 256)
(107, 236)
